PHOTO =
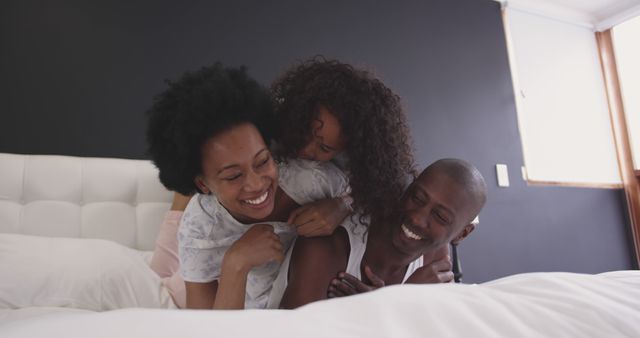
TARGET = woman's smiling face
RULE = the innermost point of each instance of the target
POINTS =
(238, 168)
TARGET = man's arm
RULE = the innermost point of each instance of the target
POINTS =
(315, 261)
(347, 285)
(436, 269)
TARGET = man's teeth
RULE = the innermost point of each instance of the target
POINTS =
(259, 199)
(410, 233)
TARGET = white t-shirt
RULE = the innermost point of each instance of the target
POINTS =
(207, 230)
(358, 244)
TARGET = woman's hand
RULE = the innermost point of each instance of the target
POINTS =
(257, 246)
(319, 218)
(347, 285)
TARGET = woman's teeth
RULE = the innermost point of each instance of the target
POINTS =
(410, 233)
(260, 199)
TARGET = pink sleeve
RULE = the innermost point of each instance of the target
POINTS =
(177, 289)
(165, 256)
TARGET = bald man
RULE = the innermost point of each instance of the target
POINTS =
(436, 210)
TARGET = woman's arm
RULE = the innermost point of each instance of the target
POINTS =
(257, 246)
(201, 295)
(233, 288)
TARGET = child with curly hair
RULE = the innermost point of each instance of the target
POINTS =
(327, 110)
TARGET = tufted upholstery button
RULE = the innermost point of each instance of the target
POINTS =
(65, 196)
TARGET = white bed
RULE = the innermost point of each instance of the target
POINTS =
(75, 235)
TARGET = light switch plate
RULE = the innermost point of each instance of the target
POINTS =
(503, 175)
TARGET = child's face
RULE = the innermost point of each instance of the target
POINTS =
(238, 168)
(326, 137)
(435, 210)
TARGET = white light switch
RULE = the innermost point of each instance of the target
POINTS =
(503, 175)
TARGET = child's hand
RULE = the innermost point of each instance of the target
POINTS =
(257, 246)
(318, 218)
(346, 284)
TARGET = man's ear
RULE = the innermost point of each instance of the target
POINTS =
(464, 233)
(199, 181)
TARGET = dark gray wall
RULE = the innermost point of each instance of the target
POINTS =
(78, 75)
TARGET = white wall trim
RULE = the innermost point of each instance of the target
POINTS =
(618, 18)
(551, 11)
(571, 16)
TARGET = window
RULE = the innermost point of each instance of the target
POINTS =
(563, 114)
(627, 53)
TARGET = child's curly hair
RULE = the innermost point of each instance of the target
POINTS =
(198, 106)
(372, 121)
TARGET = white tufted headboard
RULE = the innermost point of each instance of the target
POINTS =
(64, 196)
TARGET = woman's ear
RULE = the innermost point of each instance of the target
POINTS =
(199, 181)
(464, 233)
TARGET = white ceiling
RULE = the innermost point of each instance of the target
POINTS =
(597, 14)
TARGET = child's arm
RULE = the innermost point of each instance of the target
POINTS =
(319, 218)
(322, 190)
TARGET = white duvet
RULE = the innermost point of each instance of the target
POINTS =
(526, 305)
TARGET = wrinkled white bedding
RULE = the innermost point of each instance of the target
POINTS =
(526, 305)
(82, 273)
(52, 287)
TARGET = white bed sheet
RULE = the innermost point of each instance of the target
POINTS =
(526, 305)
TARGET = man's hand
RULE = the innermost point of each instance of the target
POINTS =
(346, 284)
(319, 218)
(438, 271)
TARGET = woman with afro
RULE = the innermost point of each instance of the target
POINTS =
(207, 134)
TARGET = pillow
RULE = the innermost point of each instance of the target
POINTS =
(82, 273)
(30, 313)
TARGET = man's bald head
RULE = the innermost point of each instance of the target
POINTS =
(466, 176)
